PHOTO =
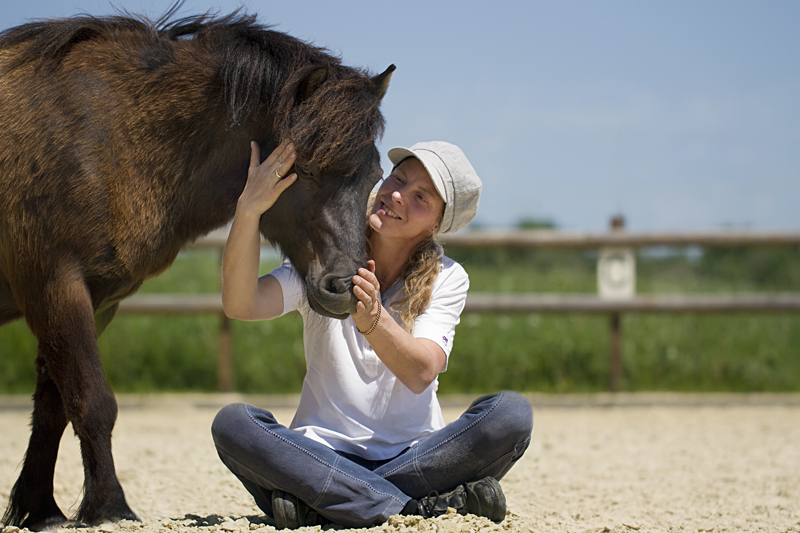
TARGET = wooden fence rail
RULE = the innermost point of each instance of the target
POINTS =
(565, 239)
(527, 303)
(782, 302)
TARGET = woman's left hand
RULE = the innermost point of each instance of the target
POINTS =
(368, 291)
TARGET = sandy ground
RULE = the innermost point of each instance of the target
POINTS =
(620, 463)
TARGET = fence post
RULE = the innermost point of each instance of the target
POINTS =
(225, 377)
(615, 355)
(615, 345)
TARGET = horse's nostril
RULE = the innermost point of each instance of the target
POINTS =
(337, 285)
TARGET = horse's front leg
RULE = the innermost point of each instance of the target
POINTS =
(32, 504)
(68, 346)
(103, 498)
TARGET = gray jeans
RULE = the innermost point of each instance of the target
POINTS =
(485, 441)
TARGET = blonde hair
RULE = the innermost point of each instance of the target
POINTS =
(420, 271)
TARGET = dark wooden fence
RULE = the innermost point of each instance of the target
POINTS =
(537, 302)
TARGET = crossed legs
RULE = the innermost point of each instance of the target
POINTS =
(486, 440)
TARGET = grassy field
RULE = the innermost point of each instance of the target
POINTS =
(533, 352)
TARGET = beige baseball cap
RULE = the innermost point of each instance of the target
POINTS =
(453, 176)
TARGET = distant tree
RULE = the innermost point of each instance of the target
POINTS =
(536, 223)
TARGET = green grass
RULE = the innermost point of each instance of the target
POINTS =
(527, 352)
(569, 353)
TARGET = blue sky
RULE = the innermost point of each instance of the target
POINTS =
(681, 115)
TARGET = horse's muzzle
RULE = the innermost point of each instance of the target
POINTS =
(332, 295)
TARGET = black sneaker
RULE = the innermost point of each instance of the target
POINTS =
(482, 498)
(291, 513)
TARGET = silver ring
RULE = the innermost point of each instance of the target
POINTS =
(276, 172)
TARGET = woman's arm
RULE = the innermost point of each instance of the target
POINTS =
(245, 296)
(415, 362)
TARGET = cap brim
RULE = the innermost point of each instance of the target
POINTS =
(396, 155)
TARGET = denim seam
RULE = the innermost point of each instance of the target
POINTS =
(500, 396)
(413, 460)
(307, 452)
(325, 486)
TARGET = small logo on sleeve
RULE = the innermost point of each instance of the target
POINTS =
(444, 338)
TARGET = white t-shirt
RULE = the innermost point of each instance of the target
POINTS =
(350, 401)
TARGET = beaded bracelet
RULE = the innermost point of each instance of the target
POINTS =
(374, 324)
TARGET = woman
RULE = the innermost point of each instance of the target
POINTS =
(368, 440)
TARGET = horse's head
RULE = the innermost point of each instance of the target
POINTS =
(319, 221)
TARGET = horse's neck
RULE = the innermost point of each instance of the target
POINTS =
(222, 148)
(214, 189)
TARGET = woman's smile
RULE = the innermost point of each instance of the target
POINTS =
(388, 212)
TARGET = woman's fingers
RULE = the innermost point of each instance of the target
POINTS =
(366, 301)
(361, 282)
(280, 153)
(265, 181)
(284, 183)
(361, 294)
(369, 276)
(366, 286)
(283, 156)
(255, 154)
(275, 166)
(367, 289)
(283, 163)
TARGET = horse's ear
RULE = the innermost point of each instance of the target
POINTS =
(381, 82)
(312, 81)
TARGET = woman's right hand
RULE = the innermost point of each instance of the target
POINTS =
(245, 296)
(265, 181)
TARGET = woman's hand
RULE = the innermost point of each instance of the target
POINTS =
(368, 291)
(415, 362)
(244, 295)
(266, 181)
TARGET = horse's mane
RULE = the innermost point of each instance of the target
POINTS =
(47, 41)
(337, 125)
(331, 129)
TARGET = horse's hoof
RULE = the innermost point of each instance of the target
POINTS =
(122, 512)
(43, 524)
(130, 516)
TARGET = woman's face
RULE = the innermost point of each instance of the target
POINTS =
(407, 204)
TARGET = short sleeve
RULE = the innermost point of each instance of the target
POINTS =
(439, 320)
(291, 285)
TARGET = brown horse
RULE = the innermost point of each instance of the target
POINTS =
(122, 140)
